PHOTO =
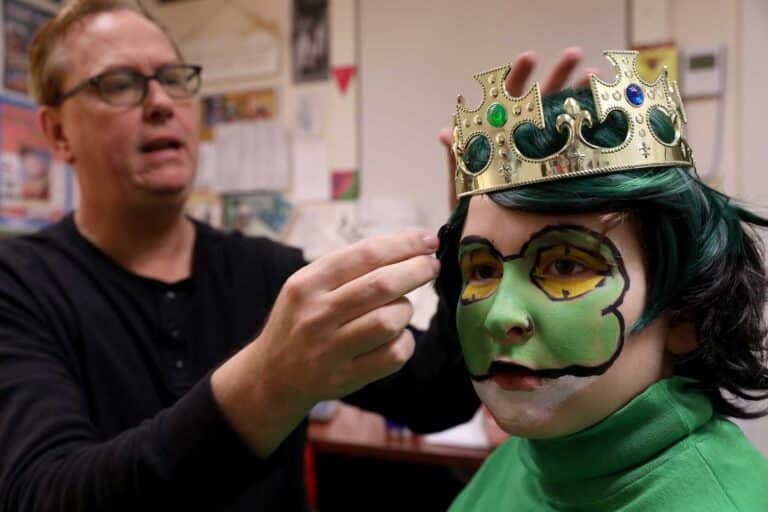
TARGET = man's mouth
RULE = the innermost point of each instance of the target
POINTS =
(160, 144)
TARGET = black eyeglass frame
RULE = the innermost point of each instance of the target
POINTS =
(95, 82)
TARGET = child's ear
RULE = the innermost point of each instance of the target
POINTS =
(681, 338)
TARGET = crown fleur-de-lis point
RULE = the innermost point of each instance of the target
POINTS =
(575, 157)
(645, 149)
(505, 171)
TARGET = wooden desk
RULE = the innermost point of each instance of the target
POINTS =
(357, 433)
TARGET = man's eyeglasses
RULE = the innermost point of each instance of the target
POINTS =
(128, 87)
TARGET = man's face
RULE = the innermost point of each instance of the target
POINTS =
(126, 155)
(543, 314)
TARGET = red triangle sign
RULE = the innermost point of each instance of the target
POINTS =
(343, 75)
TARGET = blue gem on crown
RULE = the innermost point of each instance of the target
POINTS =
(635, 94)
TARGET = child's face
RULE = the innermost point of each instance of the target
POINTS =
(545, 306)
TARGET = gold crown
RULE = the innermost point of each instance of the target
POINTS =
(488, 159)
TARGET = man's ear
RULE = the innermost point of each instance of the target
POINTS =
(681, 338)
(49, 119)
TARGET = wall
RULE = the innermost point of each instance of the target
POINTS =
(416, 57)
(714, 21)
(750, 135)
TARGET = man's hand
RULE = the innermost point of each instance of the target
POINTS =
(338, 324)
(516, 84)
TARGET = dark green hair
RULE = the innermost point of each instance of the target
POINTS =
(703, 261)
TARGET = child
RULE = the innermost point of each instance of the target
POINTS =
(609, 304)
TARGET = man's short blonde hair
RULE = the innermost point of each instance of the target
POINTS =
(47, 57)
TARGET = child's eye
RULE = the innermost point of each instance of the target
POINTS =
(484, 272)
(564, 268)
(566, 272)
(481, 271)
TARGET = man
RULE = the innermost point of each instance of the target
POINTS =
(138, 369)
(148, 362)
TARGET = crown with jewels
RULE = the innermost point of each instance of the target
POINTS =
(487, 158)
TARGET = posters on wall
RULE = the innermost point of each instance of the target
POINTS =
(20, 22)
(34, 188)
(311, 40)
(246, 147)
(242, 165)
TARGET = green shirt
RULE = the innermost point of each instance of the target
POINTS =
(664, 451)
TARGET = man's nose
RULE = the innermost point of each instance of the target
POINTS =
(158, 104)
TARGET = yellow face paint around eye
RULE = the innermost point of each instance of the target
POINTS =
(563, 287)
(478, 287)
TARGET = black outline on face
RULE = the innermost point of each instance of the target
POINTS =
(575, 370)
(566, 295)
(490, 248)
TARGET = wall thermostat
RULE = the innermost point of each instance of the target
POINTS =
(702, 70)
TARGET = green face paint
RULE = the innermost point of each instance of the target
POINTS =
(565, 286)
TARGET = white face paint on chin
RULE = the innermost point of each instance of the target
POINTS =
(522, 413)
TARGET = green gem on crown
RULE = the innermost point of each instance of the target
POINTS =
(496, 115)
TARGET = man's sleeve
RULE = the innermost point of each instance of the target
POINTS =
(52, 457)
(433, 390)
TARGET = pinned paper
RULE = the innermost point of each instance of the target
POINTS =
(251, 155)
(310, 171)
(343, 75)
(309, 115)
(345, 184)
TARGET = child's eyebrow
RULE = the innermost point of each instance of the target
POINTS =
(472, 242)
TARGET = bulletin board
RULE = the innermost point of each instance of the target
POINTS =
(35, 189)
(278, 158)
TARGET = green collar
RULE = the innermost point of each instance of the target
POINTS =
(618, 449)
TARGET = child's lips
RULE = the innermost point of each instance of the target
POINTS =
(514, 377)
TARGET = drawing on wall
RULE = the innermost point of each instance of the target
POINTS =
(343, 75)
(345, 184)
(310, 40)
(262, 213)
(653, 58)
(20, 22)
(205, 206)
(239, 106)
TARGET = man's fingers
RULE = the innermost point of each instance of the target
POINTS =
(446, 137)
(375, 328)
(381, 286)
(522, 67)
(384, 360)
(583, 81)
(335, 269)
(561, 72)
